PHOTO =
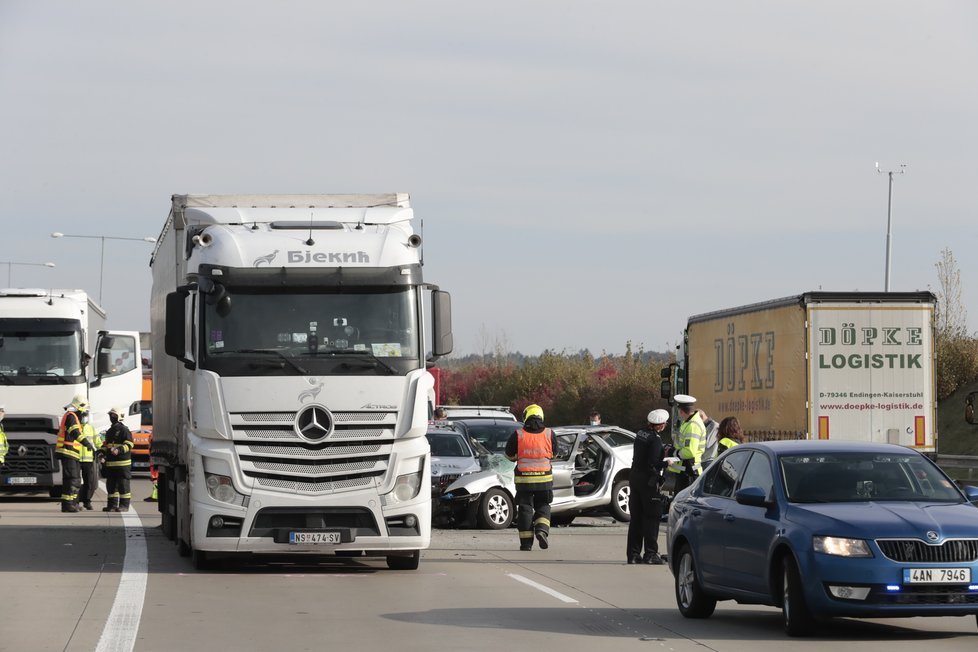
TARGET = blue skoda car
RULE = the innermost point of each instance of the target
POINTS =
(825, 529)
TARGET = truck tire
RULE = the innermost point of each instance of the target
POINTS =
(396, 562)
(202, 561)
(495, 510)
(619, 501)
(54, 492)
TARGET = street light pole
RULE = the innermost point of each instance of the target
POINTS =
(889, 206)
(11, 263)
(103, 238)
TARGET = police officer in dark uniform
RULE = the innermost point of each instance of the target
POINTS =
(644, 501)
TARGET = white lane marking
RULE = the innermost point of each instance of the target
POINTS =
(119, 634)
(541, 587)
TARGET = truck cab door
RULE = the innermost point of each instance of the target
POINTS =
(116, 377)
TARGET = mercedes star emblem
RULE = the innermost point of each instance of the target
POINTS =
(313, 422)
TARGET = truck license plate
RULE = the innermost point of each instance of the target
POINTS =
(314, 537)
(937, 576)
(22, 480)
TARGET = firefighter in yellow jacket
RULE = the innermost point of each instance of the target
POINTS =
(71, 439)
(117, 451)
(532, 448)
(692, 442)
(89, 472)
(3, 437)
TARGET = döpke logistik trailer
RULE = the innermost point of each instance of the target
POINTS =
(820, 365)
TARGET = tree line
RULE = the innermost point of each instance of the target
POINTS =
(568, 386)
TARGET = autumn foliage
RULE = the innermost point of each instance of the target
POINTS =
(567, 386)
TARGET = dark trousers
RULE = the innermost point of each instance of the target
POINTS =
(532, 513)
(117, 480)
(645, 508)
(683, 480)
(70, 479)
(89, 482)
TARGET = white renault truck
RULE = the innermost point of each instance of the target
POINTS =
(54, 346)
(290, 391)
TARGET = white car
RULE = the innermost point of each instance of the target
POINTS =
(453, 412)
(590, 469)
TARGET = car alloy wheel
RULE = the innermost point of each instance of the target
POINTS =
(620, 493)
(798, 619)
(496, 510)
(690, 598)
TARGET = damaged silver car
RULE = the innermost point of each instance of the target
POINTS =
(590, 469)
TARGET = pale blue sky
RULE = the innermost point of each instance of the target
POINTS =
(588, 173)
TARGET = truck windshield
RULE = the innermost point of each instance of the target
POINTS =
(355, 331)
(38, 352)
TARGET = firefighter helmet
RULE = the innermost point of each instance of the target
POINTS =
(533, 411)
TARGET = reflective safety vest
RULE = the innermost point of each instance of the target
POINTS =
(692, 443)
(87, 455)
(69, 432)
(3, 445)
(533, 454)
(725, 443)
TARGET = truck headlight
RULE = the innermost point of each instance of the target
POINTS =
(841, 547)
(406, 487)
(220, 488)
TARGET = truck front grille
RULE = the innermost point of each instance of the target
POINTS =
(30, 456)
(356, 453)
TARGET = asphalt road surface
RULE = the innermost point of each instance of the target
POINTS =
(100, 581)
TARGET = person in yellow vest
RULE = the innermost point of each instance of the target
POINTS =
(692, 442)
(730, 434)
(532, 448)
(89, 475)
(117, 451)
(71, 439)
(3, 437)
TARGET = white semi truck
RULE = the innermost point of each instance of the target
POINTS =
(54, 346)
(290, 391)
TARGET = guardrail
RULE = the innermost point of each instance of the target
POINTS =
(968, 462)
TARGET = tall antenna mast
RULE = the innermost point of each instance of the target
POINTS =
(889, 206)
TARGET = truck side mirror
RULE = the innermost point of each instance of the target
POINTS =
(442, 341)
(175, 324)
(665, 390)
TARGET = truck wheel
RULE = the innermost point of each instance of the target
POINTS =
(619, 501)
(54, 492)
(395, 562)
(495, 510)
(202, 561)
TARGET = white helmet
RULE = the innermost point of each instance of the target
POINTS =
(657, 417)
(118, 411)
